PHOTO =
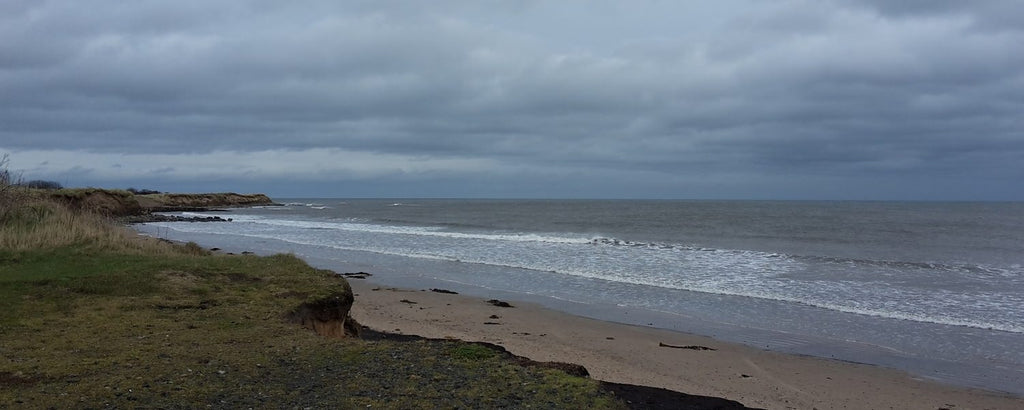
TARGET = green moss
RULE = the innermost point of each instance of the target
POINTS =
(473, 352)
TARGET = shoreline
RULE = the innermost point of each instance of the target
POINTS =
(776, 379)
(686, 363)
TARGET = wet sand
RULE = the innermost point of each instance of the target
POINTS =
(651, 357)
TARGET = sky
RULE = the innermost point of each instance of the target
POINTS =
(732, 99)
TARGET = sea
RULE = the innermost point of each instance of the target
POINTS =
(932, 288)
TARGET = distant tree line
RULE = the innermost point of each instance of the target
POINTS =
(6, 179)
(40, 184)
(143, 191)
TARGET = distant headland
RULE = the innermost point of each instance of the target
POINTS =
(137, 207)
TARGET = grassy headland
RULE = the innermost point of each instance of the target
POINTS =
(92, 315)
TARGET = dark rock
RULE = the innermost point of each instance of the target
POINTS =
(499, 303)
(145, 218)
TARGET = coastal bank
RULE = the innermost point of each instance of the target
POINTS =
(93, 315)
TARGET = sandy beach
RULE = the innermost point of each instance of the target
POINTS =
(658, 358)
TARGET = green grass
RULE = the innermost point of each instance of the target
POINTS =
(473, 352)
(88, 325)
(92, 315)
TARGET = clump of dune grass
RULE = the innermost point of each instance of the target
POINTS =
(45, 224)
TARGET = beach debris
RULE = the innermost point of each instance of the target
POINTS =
(499, 303)
(609, 338)
(446, 291)
(356, 275)
(494, 317)
(691, 347)
(407, 301)
(492, 323)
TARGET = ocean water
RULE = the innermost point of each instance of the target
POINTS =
(936, 289)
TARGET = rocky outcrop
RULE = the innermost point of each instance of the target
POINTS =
(194, 202)
(327, 314)
(134, 219)
(120, 203)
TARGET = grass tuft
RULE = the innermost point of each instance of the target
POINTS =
(42, 224)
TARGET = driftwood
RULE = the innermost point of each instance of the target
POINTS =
(691, 347)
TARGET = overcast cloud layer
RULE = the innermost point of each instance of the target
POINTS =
(661, 99)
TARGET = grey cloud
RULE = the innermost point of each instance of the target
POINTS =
(842, 88)
(985, 15)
